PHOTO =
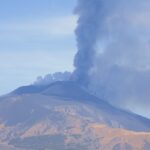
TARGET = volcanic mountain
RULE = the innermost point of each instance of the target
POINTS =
(64, 116)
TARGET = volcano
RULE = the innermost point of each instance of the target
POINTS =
(65, 116)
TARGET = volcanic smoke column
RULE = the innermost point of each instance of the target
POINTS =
(86, 33)
(113, 58)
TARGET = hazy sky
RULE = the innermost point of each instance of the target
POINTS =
(36, 38)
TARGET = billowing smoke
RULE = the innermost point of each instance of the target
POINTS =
(50, 78)
(113, 59)
(86, 33)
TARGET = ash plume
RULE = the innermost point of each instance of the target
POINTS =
(113, 58)
(86, 33)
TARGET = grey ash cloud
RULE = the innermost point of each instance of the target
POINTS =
(113, 40)
(50, 78)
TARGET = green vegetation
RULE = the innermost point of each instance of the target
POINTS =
(48, 142)
(54, 142)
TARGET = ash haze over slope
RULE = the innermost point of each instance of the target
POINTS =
(113, 40)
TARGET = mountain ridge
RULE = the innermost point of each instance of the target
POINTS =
(68, 90)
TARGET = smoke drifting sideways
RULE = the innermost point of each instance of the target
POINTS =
(113, 58)
(50, 78)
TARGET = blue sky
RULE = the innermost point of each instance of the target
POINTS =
(36, 38)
